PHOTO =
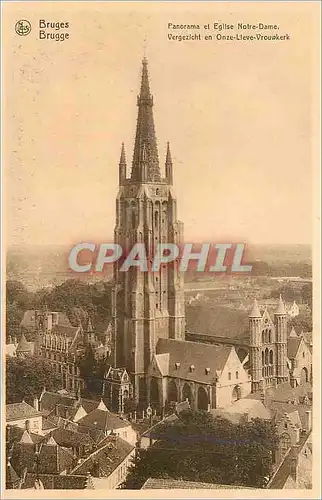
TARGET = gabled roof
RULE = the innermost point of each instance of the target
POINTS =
(19, 411)
(11, 475)
(58, 481)
(23, 345)
(218, 321)
(103, 420)
(153, 484)
(71, 439)
(162, 361)
(293, 345)
(189, 360)
(284, 393)
(105, 460)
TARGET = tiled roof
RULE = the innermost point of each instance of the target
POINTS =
(196, 355)
(105, 460)
(71, 439)
(217, 320)
(49, 400)
(15, 433)
(282, 408)
(58, 482)
(103, 420)
(19, 411)
(154, 484)
(28, 320)
(293, 345)
(52, 400)
(284, 393)
(54, 459)
(68, 330)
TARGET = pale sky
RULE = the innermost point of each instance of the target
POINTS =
(238, 116)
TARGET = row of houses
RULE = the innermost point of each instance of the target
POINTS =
(66, 442)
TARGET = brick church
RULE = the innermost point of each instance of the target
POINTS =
(149, 310)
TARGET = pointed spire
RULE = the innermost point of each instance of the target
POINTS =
(23, 345)
(145, 165)
(255, 312)
(25, 438)
(168, 165)
(281, 307)
(51, 442)
(122, 166)
(293, 333)
(102, 406)
(123, 156)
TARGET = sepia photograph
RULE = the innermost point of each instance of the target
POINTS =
(160, 249)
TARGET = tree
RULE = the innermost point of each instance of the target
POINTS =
(26, 377)
(199, 447)
(18, 300)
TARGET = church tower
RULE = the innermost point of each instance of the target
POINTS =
(255, 345)
(146, 305)
(281, 341)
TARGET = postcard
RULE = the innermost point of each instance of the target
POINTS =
(160, 249)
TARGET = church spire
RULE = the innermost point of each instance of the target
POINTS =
(122, 166)
(145, 166)
(168, 165)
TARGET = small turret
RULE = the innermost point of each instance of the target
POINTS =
(255, 312)
(281, 307)
(168, 166)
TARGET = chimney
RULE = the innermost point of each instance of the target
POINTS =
(36, 404)
(308, 420)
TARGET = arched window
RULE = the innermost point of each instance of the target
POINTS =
(266, 356)
(269, 336)
(263, 337)
(271, 358)
(156, 219)
(263, 358)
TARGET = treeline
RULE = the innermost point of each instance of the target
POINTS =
(281, 269)
(78, 300)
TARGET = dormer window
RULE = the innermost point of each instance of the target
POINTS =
(192, 368)
(177, 365)
(207, 371)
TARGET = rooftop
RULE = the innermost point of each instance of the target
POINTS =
(189, 360)
(19, 411)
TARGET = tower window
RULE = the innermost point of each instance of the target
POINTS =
(229, 376)
(156, 219)
(192, 368)
(177, 365)
(236, 375)
(207, 371)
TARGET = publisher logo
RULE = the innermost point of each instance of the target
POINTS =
(23, 27)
